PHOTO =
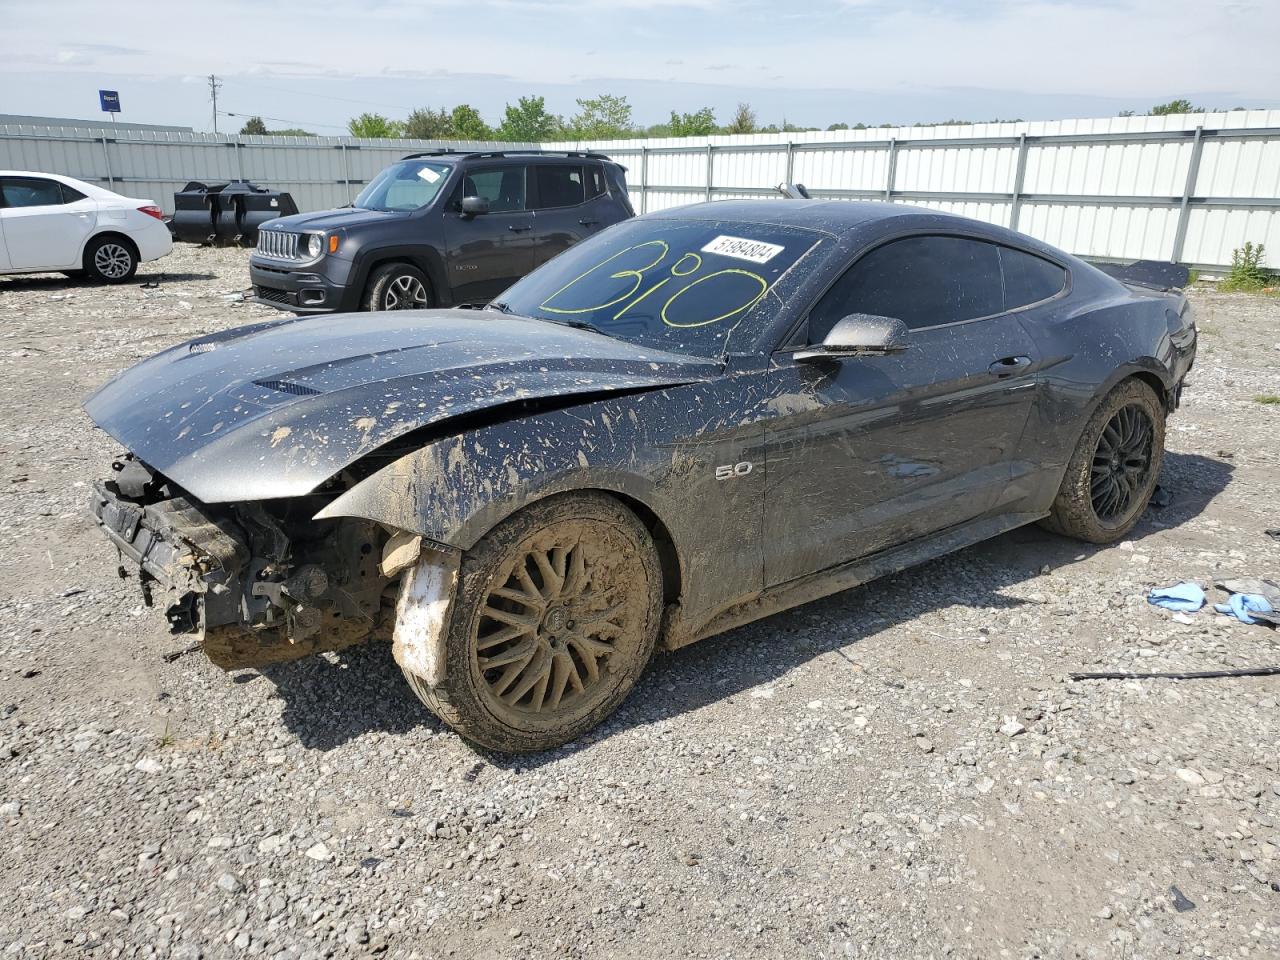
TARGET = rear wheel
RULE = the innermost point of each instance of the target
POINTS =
(1115, 467)
(110, 260)
(555, 617)
(397, 286)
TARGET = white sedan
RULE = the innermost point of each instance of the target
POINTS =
(54, 223)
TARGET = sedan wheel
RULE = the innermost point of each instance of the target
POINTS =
(110, 260)
(556, 616)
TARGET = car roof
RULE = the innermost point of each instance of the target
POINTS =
(446, 155)
(88, 189)
(847, 218)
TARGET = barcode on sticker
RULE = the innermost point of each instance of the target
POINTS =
(743, 249)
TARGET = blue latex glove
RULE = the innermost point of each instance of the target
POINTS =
(1183, 597)
(1240, 605)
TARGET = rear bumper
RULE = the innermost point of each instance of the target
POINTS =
(302, 291)
(154, 242)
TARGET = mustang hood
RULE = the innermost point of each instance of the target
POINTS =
(275, 409)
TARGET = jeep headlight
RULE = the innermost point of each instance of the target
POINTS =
(315, 245)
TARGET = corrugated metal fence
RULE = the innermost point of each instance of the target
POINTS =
(320, 172)
(1189, 188)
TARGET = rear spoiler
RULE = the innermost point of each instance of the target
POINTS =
(1153, 274)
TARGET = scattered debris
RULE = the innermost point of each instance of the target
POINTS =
(1184, 597)
(1183, 675)
(175, 654)
(1180, 902)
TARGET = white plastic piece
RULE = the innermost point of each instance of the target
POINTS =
(422, 615)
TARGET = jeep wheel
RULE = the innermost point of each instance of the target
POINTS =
(555, 617)
(1114, 469)
(398, 286)
(110, 260)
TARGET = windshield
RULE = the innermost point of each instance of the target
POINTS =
(406, 185)
(678, 285)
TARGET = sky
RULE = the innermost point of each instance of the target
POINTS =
(315, 64)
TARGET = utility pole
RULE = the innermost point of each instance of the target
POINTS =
(214, 84)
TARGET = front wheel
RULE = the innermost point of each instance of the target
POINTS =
(110, 260)
(555, 617)
(1114, 468)
(398, 286)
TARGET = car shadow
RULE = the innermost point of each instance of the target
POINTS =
(54, 282)
(330, 700)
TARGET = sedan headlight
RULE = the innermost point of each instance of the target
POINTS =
(315, 245)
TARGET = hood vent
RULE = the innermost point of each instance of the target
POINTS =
(288, 386)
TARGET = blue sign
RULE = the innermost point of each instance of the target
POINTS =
(110, 100)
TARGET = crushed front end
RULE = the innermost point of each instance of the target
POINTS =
(257, 582)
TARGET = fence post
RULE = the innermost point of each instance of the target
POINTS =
(791, 161)
(710, 168)
(644, 179)
(1019, 178)
(893, 169)
(239, 158)
(1188, 188)
(346, 172)
(106, 156)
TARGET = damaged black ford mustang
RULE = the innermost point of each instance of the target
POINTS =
(694, 419)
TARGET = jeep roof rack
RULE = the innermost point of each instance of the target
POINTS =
(471, 154)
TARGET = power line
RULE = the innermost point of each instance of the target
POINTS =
(323, 96)
(296, 123)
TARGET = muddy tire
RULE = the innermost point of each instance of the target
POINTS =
(555, 617)
(397, 286)
(1114, 468)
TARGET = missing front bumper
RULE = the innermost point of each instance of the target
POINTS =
(230, 576)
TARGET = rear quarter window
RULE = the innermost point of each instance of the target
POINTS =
(1029, 279)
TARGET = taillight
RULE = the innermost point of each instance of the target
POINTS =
(152, 212)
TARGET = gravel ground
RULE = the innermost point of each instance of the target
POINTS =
(899, 771)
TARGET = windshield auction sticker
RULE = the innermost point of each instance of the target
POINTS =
(741, 249)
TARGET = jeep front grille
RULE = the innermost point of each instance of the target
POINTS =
(278, 244)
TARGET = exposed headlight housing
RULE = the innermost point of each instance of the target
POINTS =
(315, 245)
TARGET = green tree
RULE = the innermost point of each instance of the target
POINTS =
(427, 124)
(1174, 106)
(468, 124)
(744, 120)
(528, 121)
(838, 126)
(700, 123)
(605, 117)
(291, 132)
(373, 126)
(254, 126)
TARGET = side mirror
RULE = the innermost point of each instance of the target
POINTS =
(474, 206)
(859, 335)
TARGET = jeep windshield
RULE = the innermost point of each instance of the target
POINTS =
(407, 185)
(678, 285)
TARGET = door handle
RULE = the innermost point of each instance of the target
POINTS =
(587, 223)
(515, 229)
(1007, 366)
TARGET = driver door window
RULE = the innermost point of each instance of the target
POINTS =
(922, 281)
